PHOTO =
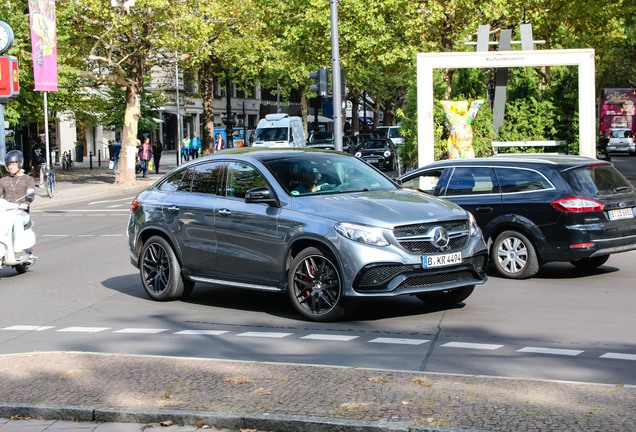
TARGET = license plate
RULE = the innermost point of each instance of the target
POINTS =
(430, 261)
(624, 213)
(373, 160)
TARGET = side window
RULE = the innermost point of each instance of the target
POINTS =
(513, 180)
(206, 178)
(242, 177)
(179, 181)
(426, 182)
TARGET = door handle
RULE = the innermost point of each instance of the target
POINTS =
(483, 209)
(225, 212)
(173, 209)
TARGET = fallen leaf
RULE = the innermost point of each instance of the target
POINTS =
(166, 423)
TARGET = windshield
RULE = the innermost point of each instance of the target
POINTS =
(326, 173)
(272, 134)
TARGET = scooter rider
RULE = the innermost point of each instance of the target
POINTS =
(13, 188)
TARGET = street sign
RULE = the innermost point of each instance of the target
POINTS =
(9, 83)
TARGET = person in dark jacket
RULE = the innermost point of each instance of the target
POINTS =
(157, 148)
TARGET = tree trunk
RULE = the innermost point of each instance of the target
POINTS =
(208, 107)
(125, 174)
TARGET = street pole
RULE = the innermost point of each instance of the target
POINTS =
(336, 77)
(244, 127)
(46, 131)
(228, 113)
(179, 134)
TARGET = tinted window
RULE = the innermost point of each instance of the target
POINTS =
(242, 177)
(521, 180)
(206, 178)
(597, 180)
(176, 182)
(426, 182)
(470, 181)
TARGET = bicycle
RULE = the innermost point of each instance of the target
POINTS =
(49, 181)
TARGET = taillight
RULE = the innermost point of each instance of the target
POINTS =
(576, 204)
(134, 206)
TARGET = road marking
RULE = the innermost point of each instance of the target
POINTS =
(539, 350)
(619, 356)
(84, 329)
(327, 337)
(265, 334)
(202, 332)
(399, 341)
(467, 345)
(141, 330)
(28, 328)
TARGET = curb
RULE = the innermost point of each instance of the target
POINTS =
(238, 421)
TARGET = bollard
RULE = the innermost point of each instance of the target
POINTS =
(99, 158)
(90, 160)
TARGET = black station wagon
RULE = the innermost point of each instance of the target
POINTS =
(534, 209)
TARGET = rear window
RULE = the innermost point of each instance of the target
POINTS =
(597, 180)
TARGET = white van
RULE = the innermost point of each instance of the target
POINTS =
(392, 132)
(279, 130)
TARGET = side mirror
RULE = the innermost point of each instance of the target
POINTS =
(260, 195)
(30, 192)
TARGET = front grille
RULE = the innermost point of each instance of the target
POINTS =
(417, 238)
(377, 278)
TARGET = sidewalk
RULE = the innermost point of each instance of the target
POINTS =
(255, 396)
(120, 393)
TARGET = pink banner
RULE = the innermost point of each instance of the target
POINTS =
(43, 44)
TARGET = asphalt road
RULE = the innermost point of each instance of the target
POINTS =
(83, 295)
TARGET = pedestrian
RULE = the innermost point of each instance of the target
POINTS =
(185, 148)
(195, 145)
(145, 154)
(219, 142)
(116, 149)
(39, 159)
(157, 148)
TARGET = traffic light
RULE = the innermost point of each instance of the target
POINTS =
(320, 88)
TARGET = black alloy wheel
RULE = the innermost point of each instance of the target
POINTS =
(161, 271)
(315, 286)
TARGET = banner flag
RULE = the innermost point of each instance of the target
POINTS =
(43, 44)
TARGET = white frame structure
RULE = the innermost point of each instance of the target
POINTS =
(426, 62)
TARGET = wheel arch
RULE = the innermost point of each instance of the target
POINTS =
(157, 231)
(303, 243)
(518, 223)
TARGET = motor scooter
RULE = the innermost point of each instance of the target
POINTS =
(20, 260)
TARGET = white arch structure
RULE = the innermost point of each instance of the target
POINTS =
(427, 62)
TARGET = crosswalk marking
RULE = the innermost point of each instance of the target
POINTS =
(539, 350)
(202, 332)
(319, 337)
(28, 328)
(84, 329)
(399, 341)
(619, 356)
(142, 330)
(328, 337)
(264, 334)
(467, 345)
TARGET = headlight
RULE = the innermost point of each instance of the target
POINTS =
(362, 234)
(387, 154)
(473, 228)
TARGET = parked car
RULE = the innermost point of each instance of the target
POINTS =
(246, 218)
(536, 209)
(391, 132)
(379, 152)
(320, 137)
(621, 140)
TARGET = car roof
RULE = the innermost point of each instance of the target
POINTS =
(267, 153)
(567, 161)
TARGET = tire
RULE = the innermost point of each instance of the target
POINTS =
(22, 268)
(590, 263)
(314, 286)
(160, 271)
(50, 189)
(513, 256)
(448, 297)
